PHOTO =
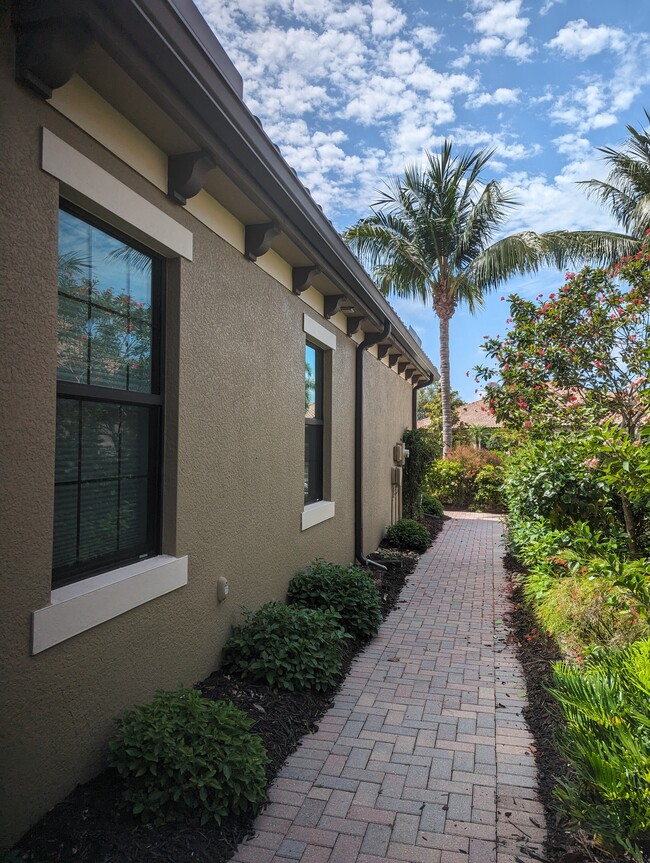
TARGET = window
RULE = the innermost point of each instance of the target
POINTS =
(109, 400)
(313, 423)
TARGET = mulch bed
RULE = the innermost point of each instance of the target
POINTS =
(536, 652)
(89, 826)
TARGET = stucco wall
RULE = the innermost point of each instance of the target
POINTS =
(233, 471)
(386, 413)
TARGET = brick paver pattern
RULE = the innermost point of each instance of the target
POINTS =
(424, 756)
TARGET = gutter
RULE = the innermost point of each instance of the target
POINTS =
(414, 409)
(370, 339)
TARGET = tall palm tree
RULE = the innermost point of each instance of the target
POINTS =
(626, 191)
(431, 237)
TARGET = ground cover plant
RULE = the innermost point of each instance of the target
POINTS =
(347, 591)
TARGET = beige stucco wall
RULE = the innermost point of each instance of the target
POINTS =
(233, 471)
(387, 412)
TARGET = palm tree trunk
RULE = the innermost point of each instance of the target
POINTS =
(445, 385)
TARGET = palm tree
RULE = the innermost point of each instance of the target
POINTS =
(626, 192)
(430, 237)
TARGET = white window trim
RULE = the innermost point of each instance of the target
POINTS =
(80, 606)
(77, 607)
(315, 513)
(321, 510)
(318, 333)
(117, 203)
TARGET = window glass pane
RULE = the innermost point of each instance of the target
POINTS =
(105, 314)
(65, 525)
(102, 481)
(313, 463)
(310, 381)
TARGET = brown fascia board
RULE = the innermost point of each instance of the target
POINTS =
(170, 51)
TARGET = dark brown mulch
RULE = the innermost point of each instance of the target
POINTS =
(536, 652)
(88, 825)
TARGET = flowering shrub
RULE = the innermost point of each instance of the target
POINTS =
(578, 356)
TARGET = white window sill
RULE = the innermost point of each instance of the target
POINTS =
(85, 604)
(315, 513)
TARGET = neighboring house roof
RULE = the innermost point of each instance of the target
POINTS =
(477, 414)
(471, 414)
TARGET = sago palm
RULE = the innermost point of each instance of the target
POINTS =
(431, 237)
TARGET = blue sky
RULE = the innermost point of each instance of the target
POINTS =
(352, 90)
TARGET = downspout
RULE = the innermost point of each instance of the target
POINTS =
(414, 410)
(369, 339)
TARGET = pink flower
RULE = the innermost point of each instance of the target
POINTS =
(591, 462)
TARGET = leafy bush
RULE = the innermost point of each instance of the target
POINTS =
(581, 612)
(488, 485)
(471, 477)
(346, 590)
(185, 758)
(423, 449)
(408, 533)
(432, 506)
(607, 742)
(447, 482)
(549, 479)
(287, 647)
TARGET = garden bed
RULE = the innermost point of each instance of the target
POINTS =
(88, 825)
(536, 652)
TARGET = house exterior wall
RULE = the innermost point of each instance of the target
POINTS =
(386, 413)
(233, 469)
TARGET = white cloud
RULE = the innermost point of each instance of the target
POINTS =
(501, 28)
(387, 20)
(501, 96)
(578, 39)
(548, 5)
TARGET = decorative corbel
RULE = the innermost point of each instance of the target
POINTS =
(382, 350)
(302, 277)
(392, 359)
(48, 52)
(401, 367)
(416, 379)
(408, 374)
(332, 304)
(259, 238)
(353, 325)
(186, 174)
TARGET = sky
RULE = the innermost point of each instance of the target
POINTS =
(353, 90)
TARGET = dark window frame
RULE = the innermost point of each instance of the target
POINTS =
(153, 401)
(317, 493)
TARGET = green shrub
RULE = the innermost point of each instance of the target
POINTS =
(607, 742)
(346, 590)
(287, 647)
(432, 506)
(408, 533)
(582, 611)
(446, 482)
(423, 449)
(488, 489)
(185, 758)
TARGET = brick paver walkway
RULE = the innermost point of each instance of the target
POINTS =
(424, 756)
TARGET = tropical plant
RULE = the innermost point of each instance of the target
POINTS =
(431, 237)
(626, 191)
(186, 758)
(287, 647)
(346, 590)
(607, 743)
